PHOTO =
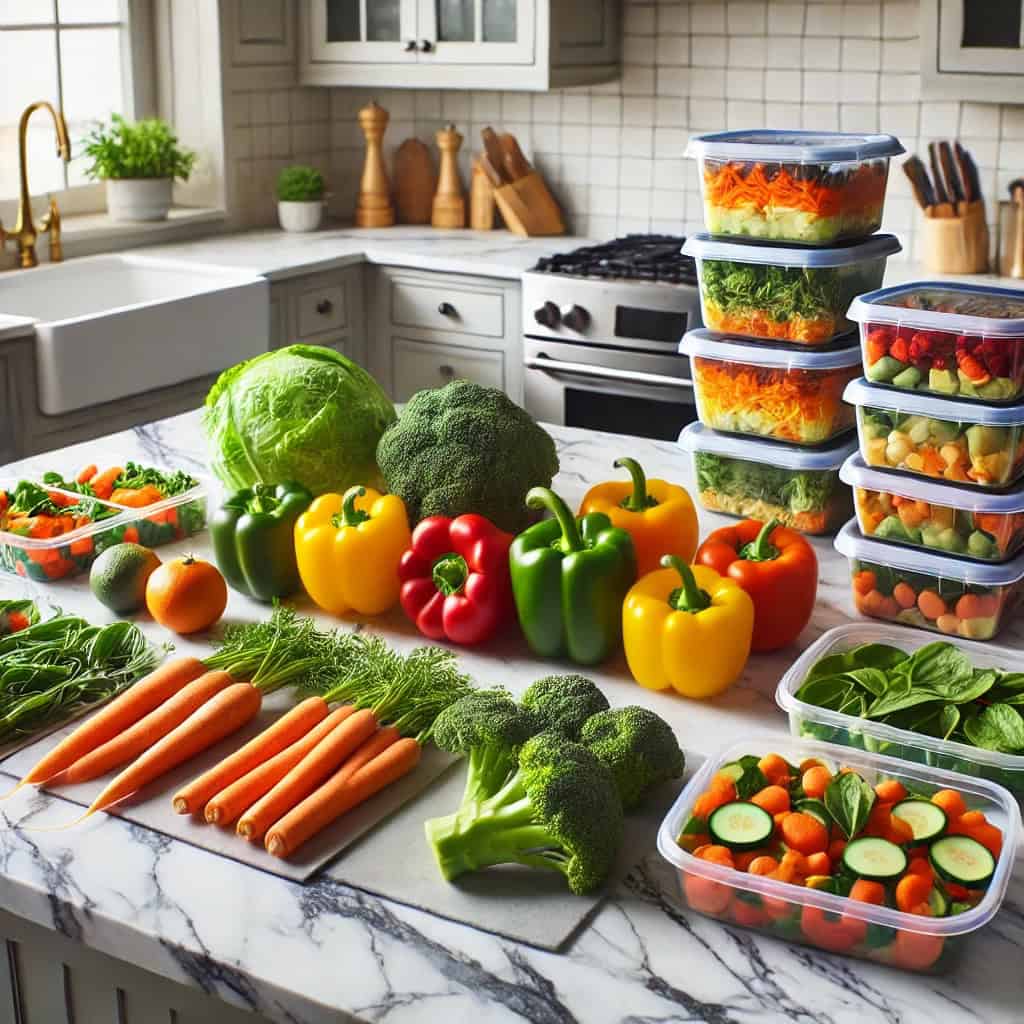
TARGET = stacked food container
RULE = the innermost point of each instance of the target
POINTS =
(940, 415)
(790, 243)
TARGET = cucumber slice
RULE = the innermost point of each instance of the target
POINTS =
(927, 820)
(962, 860)
(734, 770)
(816, 809)
(740, 825)
(874, 858)
(938, 902)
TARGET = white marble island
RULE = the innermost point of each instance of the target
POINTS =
(324, 952)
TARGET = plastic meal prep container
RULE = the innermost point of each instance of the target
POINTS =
(947, 595)
(794, 186)
(811, 721)
(767, 479)
(910, 510)
(957, 340)
(946, 438)
(801, 914)
(793, 395)
(785, 293)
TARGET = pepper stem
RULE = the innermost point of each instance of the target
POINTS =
(639, 499)
(689, 597)
(544, 497)
(263, 499)
(761, 549)
(349, 514)
(450, 573)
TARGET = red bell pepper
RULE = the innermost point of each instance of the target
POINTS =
(776, 567)
(455, 579)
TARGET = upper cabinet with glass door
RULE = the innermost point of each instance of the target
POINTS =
(459, 44)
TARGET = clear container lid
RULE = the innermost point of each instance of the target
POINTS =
(979, 309)
(857, 473)
(853, 544)
(703, 246)
(793, 146)
(914, 403)
(724, 347)
(117, 518)
(698, 438)
(996, 802)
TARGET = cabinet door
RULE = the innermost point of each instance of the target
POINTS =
(477, 31)
(261, 32)
(419, 365)
(363, 31)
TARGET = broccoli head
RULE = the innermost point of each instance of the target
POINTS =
(564, 703)
(638, 748)
(489, 727)
(560, 811)
(466, 448)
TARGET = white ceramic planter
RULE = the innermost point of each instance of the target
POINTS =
(138, 199)
(300, 216)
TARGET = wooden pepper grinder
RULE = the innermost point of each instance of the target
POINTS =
(374, 208)
(449, 210)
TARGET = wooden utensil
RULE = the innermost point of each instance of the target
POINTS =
(481, 199)
(952, 175)
(373, 207)
(516, 165)
(490, 170)
(449, 206)
(495, 153)
(415, 182)
(968, 173)
(943, 203)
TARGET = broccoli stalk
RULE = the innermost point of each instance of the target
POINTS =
(560, 811)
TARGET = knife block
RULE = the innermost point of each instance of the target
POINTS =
(957, 245)
(528, 208)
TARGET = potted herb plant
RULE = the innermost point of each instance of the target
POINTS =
(300, 198)
(139, 163)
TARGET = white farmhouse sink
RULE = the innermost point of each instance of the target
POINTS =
(112, 326)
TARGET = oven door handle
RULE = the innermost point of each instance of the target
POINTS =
(557, 367)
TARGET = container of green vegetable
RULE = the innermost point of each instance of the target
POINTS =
(949, 704)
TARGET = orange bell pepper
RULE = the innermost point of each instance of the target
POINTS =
(776, 567)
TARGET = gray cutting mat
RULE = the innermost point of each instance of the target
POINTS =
(152, 807)
(533, 907)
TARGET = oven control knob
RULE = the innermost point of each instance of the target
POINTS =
(547, 315)
(576, 318)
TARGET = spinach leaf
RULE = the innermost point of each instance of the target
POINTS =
(849, 800)
(940, 664)
(752, 780)
(968, 688)
(900, 699)
(880, 656)
(949, 719)
(873, 680)
(826, 692)
(998, 727)
(1013, 681)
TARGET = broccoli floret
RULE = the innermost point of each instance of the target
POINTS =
(638, 748)
(489, 727)
(466, 448)
(564, 703)
(559, 811)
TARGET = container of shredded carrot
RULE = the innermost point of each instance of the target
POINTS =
(783, 394)
(810, 187)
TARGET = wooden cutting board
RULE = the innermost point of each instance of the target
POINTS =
(415, 182)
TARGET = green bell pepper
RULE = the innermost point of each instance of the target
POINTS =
(253, 536)
(569, 578)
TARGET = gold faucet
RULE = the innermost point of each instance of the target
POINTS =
(26, 231)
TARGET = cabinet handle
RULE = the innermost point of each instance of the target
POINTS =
(426, 46)
(446, 371)
(324, 306)
(410, 46)
(446, 309)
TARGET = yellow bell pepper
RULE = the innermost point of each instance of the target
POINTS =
(659, 516)
(348, 549)
(695, 637)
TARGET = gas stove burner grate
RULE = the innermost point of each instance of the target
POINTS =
(634, 257)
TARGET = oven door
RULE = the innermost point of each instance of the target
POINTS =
(605, 389)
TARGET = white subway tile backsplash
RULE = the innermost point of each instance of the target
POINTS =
(940, 120)
(515, 106)
(782, 116)
(706, 115)
(673, 81)
(821, 117)
(747, 51)
(706, 18)
(783, 85)
(634, 202)
(1013, 122)
(672, 51)
(740, 114)
(635, 172)
(670, 174)
(787, 19)
(708, 51)
(575, 109)
(858, 87)
(606, 110)
(707, 83)
(784, 52)
(823, 19)
(862, 19)
(821, 53)
(900, 19)
(547, 107)
(746, 17)
(637, 141)
(821, 86)
(673, 19)
(858, 117)
(280, 107)
(900, 119)
(746, 85)
(861, 54)
(639, 19)
(899, 87)
(637, 80)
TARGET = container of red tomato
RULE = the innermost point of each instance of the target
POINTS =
(956, 340)
(759, 839)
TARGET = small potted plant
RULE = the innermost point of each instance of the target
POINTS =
(139, 162)
(300, 198)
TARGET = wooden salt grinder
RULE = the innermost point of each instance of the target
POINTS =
(374, 208)
(449, 210)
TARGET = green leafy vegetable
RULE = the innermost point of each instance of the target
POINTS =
(849, 800)
(807, 491)
(32, 500)
(300, 184)
(779, 293)
(997, 727)
(146, 149)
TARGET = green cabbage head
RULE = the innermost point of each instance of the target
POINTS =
(301, 413)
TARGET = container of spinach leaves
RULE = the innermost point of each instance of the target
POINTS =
(955, 705)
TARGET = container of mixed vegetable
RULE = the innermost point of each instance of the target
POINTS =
(844, 850)
(760, 479)
(955, 340)
(796, 186)
(782, 394)
(785, 293)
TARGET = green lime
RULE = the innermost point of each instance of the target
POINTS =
(118, 577)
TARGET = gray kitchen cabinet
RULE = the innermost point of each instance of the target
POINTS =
(13, 355)
(259, 43)
(323, 309)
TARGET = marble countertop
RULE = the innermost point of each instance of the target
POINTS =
(327, 953)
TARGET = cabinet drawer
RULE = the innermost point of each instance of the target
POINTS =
(442, 307)
(419, 365)
(321, 309)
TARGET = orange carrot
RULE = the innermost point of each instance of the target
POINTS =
(316, 766)
(339, 794)
(103, 484)
(121, 713)
(291, 726)
(87, 473)
(144, 733)
(242, 794)
(218, 717)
